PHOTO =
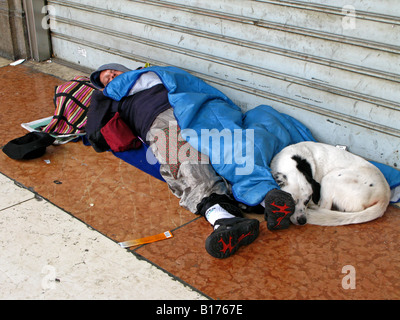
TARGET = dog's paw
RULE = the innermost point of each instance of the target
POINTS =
(280, 179)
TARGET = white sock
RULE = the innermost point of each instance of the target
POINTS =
(215, 213)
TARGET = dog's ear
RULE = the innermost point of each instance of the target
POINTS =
(280, 179)
(305, 168)
(316, 195)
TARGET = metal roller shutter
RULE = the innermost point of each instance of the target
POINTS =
(334, 67)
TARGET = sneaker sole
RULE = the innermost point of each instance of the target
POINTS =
(223, 244)
(278, 211)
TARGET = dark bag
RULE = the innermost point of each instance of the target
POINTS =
(30, 146)
(119, 136)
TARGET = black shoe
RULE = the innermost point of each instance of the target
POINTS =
(231, 234)
(225, 201)
(279, 207)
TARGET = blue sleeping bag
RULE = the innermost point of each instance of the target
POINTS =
(240, 145)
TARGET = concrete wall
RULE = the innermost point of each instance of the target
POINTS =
(14, 42)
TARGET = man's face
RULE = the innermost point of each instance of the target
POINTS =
(107, 75)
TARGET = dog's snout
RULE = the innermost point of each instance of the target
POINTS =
(301, 220)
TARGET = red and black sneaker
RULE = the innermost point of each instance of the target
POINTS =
(231, 234)
(279, 207)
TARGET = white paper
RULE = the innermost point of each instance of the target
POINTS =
(15, 63)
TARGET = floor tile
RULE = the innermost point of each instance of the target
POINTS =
(12, 194)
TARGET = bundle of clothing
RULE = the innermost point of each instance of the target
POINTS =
(253, 138)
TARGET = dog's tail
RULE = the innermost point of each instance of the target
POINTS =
(325, 217)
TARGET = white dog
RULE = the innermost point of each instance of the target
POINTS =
(345, 188)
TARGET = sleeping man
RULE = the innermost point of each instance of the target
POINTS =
(211, 154)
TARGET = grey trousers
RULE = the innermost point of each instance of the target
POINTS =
(189, 178)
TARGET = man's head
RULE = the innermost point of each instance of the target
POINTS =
(105, 73)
